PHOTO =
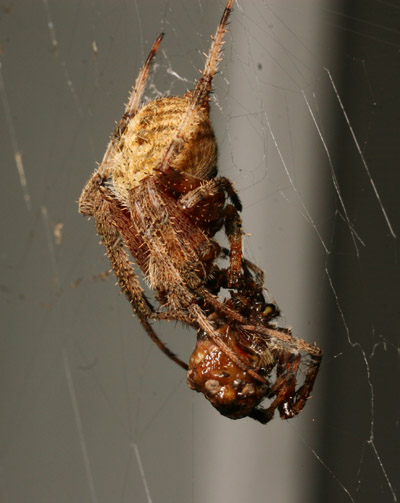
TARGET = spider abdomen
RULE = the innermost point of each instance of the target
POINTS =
(142, 146)
(232, 391)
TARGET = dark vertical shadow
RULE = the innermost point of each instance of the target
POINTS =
(360, 439)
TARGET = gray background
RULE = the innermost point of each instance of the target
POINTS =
(90, 409)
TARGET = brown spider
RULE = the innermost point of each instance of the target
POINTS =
(156, 194)
(235, 393)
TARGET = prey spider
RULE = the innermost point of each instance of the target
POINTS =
(264, 347)
(157, 196)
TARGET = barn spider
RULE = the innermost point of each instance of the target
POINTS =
(157, 195)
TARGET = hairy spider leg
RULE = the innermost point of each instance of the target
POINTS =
(93, 203)
(258, 273)
(283, 388)
(296, 405)
(127, 277)
(161, 208)
(289, 401)
(163, 216)
(200, 95)
(131, 109)
(199, 200)
(134, 101)
(229, 215)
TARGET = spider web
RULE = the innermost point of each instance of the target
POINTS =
(306, 111)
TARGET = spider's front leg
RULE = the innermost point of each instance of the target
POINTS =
(205, 202)
(283, 388)
(296, 402)
(287, 400)
(105, 217)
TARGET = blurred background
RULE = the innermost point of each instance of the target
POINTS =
(306, 112)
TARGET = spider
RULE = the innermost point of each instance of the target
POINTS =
(231, 390)
(157, 196)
